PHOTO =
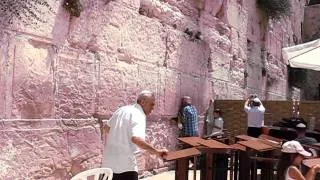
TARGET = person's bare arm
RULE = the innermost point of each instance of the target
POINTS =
(141, 143)
(312, 172)
(106, 129)
(102, 120)
(295, 173)
(246, 104)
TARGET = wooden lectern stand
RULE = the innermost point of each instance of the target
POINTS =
(209, 147)
(182, 161)
(255, 146)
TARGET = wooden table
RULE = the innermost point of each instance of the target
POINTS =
(193, 141)
(255, 146)
(244, 138)
(209, 147)
(182, 161)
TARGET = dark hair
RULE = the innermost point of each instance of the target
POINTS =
(285, 161)
(217, 111)
(301, 130)
(256, 103)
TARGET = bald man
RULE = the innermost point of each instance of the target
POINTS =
(126, 133)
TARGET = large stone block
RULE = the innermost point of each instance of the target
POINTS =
(118, 86)
(45, 22)
(150, 79)
(188, 7)
(204, 93)
(75, 85)
(143, 39)
(162, 133)
(45, 152)
(6, 68)
(33, 79)
(220, 65)
(172, 93)
(227, 90)
(186, 56)
(167, 14)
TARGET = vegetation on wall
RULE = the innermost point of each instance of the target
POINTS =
(275, 9)
(74, 7)
(26, 11)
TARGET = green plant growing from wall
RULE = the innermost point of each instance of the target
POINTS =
(74, 7)
(275, 9)
(25, 11)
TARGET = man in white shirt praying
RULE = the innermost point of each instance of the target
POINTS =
(126, 133)
(255, 111)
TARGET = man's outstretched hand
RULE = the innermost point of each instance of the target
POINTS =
(162, 153)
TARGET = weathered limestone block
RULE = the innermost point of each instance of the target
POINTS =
(33, 84)
(213, 6)
(144, 40)
(51, 18)
(186, 55)
(118, 84)
(172, 93)
(167, 14)
(75, 91)
(204, 93)
(149, 78)
(32, 149)
(226, 90)
(162, 133)
(187, 7)
(220, 64)
(215, 33)
(311, 23)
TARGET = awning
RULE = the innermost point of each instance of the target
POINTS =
(305, 56)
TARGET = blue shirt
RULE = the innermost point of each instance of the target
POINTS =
(190, 121)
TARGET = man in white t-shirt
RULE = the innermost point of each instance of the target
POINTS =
(255, 111)
(126, 134)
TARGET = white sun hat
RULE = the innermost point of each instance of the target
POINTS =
(256, 99)
(294, 147)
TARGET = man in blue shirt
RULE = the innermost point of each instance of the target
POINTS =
(189, 118)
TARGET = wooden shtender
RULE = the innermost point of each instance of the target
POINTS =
(238, 147)
(182, 161)
(214, 144)
(174, 155)
(256, 145)
(193, 141)
(245, 138)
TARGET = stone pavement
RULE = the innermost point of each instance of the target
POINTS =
(169, 175)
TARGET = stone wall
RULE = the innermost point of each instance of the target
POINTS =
(311, 29)
(311, 25)
(48, 149)
(70, 67)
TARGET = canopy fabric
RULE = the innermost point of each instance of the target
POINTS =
(305, 56)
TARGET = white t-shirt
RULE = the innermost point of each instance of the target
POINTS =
(219, 123)
(287, 177)
(255, 115)
(119, 151)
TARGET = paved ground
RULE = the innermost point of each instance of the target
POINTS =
(169, 175)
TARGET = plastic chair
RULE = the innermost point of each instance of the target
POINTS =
(98, 174)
